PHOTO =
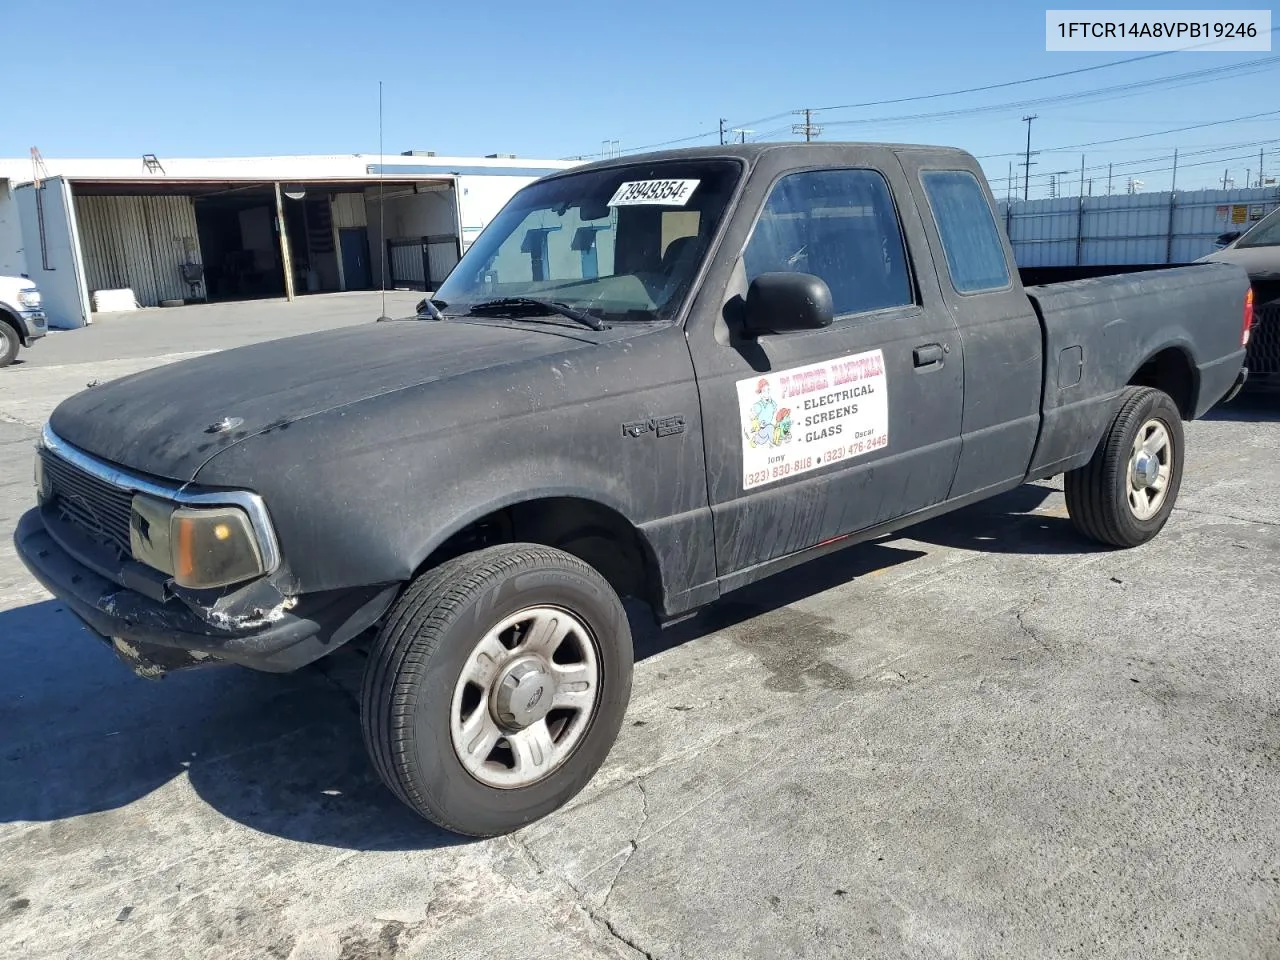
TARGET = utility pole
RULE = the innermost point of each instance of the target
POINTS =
(1260, 178)
(1225, 174)
(1082, 174)
(722, 121)
(1009, 182)
(1108, 179)
(1026, 163)
(742, 134)
(1173, 185)
(807, 128)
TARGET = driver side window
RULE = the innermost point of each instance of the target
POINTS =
(839, 225)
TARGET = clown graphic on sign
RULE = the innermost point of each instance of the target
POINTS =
(769, 426)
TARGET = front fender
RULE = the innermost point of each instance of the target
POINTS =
(364, 495)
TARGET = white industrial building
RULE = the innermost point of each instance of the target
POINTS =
(209, 229)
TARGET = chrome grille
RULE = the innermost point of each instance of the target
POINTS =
(98, 508)
(1264, 340)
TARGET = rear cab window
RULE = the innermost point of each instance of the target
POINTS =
(970, 238)
(840, 225)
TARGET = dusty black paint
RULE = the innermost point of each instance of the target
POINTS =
(382, 448)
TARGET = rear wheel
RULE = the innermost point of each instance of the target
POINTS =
(1124, 495)
(496, 687)
(9, 344)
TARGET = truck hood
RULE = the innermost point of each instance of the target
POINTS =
(161, 421)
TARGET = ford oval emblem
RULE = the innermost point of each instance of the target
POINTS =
(225, 424)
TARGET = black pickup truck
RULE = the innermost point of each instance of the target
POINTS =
(662, 377)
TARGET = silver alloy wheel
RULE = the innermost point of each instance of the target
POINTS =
(525, 697)
(4, 348)
(1150, 468)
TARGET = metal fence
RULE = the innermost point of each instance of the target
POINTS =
(423, 262)
(1136, 228)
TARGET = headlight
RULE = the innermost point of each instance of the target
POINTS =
(200, 547)
(29, 297)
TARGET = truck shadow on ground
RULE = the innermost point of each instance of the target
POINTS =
(1251, 406)
(1006, 524)
(282, 754)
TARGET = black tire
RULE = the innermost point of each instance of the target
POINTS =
(9, 344)
(1097, 493)
(416, 661)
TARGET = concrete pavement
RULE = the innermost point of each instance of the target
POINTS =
(984, 738)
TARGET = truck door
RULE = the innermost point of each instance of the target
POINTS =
(52, 247)
(999, 331)
(811, 435)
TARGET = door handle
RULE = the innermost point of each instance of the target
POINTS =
(929, 355)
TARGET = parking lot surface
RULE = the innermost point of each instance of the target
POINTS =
(983, 737)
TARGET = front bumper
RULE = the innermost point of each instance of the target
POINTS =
(157, 637)
(36, 325)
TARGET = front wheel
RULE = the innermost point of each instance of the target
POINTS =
(1124, 495)
(9, 344)
(496, 687)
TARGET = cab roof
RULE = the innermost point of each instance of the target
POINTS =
(752, 152)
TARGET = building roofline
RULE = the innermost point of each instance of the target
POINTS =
(299, 167)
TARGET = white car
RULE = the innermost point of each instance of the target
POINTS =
(22, 319)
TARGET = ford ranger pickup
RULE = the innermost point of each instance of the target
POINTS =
(661, 377)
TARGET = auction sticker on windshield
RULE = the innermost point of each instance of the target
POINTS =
(798, 420)
(666, 193)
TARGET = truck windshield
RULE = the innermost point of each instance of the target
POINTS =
(1265, 234)
(620, 244)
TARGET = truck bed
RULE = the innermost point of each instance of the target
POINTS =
(1046, 276)
(1102, 333)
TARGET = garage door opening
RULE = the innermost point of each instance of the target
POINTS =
(238, 245)
(218, 242)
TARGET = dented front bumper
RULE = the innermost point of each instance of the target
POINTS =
(158, 636)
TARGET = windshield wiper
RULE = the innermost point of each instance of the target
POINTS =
(425, 310)
(431, 309)
(547, 306)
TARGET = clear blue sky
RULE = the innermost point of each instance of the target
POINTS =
(555, 80)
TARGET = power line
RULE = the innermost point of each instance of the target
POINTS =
(1014, 83)
(1139, 136)
(1214, 161)
(1210, 75)
(1247, 67)
(1192, 153)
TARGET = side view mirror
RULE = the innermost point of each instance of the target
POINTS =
(781, 302)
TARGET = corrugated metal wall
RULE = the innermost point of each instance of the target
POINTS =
(1129, 228)
(348, 210)
(139, 243)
